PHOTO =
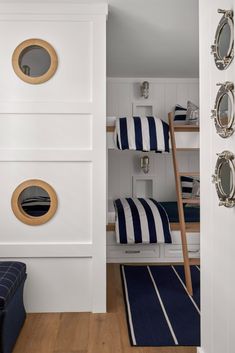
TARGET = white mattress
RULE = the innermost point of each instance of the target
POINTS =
(111, 212)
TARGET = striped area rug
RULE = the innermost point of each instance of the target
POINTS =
(159, 310)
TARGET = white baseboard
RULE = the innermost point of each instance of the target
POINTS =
(199, 350)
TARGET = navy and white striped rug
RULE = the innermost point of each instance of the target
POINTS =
(159, 310)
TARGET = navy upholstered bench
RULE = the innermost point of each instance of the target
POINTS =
(12, 311)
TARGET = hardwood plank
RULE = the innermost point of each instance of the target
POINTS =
(73, 332)
(38, 334)
(85, 332)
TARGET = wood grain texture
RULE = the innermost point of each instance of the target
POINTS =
(193, 227)
(86, 332)
(187, 272)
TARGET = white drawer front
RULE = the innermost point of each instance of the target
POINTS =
(133, 251)
(192, 238)
(175, 251)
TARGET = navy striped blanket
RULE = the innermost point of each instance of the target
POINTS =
(140, 220)
(142, 134)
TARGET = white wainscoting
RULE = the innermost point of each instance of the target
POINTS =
(56, 132)
(122, 165)
(164, 94)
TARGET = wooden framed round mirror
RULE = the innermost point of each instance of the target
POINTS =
(222, 49)
(34, 61)
(223, 112)
(34, 202)
(224, 179)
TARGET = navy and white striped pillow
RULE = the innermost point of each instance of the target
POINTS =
(190, 187)
(186, 187)
(180, 114)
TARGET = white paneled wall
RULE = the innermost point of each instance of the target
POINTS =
(55, 132)
(164, 94)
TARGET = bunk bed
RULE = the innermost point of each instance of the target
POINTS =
(182, 219)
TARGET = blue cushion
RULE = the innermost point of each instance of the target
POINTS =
(191, 214)
(12, 274)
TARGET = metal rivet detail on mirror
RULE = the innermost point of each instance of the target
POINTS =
(222, 49)
(224, 179)
(223, 112)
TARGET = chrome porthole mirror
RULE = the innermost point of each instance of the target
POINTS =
(222, 49)
(224, 179)
(223, 112)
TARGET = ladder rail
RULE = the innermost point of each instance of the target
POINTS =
(186, 259)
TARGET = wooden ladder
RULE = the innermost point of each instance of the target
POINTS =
(181, 201)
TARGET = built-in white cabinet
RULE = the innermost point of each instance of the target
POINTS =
(52, 128)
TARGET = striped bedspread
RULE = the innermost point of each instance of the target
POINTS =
(142, 134)
(140, 220)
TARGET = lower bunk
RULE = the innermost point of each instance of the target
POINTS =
(151, 253)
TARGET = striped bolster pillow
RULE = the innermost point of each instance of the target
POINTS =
(180, 114)
(140, 220)
(142, 134)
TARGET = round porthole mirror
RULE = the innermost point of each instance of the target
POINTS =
(34, 202)
(34, 61)
(223, 112)
(222, 49)
(224, 179)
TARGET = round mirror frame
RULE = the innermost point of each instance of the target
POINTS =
(222, 130)
(223, 63)
(21, 214)
(35, 42)
(225, 200)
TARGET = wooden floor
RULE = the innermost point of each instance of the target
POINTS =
(85, 332)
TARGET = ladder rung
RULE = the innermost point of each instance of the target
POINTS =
(185, 128)
(189, 174)
(191, 201)
(194, 261)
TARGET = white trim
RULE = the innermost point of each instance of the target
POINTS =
(128, 307)
(46, 155)
(186, 290)
(46, 249)
(53, 8)
(163, 308)
(200, 350)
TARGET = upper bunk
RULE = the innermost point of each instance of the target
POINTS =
(187, 136)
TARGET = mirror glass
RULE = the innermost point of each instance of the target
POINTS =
(226, 178)
(225, 110)
(224, 41)
(34, 61)
(35, 201)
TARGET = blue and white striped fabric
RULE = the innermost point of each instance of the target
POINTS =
(142, 134)
(140, 220)
(180, 114)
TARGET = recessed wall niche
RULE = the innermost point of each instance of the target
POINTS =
(34, 61)
(34, 202)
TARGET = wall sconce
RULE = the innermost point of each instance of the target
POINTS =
(145, 89)
(144, 164)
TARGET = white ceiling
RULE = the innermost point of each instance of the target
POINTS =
(149, 38)
(153, 38)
